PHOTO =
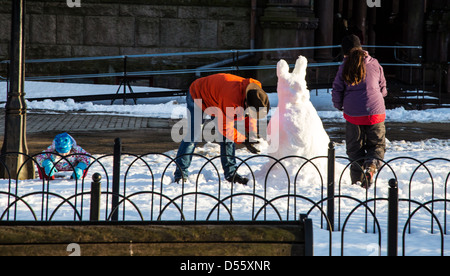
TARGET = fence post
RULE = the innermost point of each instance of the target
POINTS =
(116, 179)
(95, 197)
(309, 235)
(331, 185)
(393, 218)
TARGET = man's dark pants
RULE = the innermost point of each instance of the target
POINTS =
(187, 146)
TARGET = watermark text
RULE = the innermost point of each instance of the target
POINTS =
(374, 3)
(228, 125)
(73, 3)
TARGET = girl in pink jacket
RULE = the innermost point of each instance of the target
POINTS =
(359, 90)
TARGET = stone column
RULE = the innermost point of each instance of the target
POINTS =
(360, 19)
(324, 33)
(16, 109)
(371, 33)
(414, 27)
(413, 31)
(448, 78)
(286, 24)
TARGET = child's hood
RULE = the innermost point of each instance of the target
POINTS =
(64, 135)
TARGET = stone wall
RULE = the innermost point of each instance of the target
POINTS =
(158, 239)
(114, 27)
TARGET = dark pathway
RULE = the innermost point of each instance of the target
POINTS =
(96, 133)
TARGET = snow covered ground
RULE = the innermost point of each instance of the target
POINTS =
(144, 181)
(406, 157)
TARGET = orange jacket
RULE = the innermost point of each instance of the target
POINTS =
(219, 93)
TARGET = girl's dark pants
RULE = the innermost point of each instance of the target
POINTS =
(366, 145)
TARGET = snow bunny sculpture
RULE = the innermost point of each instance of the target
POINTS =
(295, 128)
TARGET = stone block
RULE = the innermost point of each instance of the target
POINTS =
(4, 54)
(5, 23)
(35, 7)
(147, 31)
(38, 51)
(92, 51)
(180, 33)
(70, 30)
(5, 6)
(109, 30)
(448, 78)
(192, 12)
(208, 34)
(229, 13)
(42, 29)
(234, 34)
(149, 11)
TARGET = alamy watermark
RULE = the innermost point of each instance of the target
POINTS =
(222, 125)
(73, 3)
(74, 249)
(374, 3)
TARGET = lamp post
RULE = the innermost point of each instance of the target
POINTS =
(15, 163)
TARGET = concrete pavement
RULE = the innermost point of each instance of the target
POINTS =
(96, 133)
(40, 122)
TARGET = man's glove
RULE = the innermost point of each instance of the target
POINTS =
(251, 141)
(251, 147)
(49, 167)
(78, 172)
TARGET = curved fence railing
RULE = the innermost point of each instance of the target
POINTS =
(129, 187)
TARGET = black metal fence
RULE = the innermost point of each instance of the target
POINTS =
(129, 187)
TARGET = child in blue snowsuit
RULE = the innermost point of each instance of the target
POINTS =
(69, 157)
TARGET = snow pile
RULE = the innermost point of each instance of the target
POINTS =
(171, 109)
(439, 115)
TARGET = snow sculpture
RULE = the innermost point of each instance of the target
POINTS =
(295, 128)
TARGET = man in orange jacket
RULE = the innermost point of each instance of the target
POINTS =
(227, 98)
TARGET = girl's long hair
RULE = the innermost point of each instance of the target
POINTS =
(355, 67)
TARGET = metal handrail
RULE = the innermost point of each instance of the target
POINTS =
(55, 60)
(173, 54)
(204, 69)
(196, 70)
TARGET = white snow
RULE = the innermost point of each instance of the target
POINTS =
(356, 242)
(140, 179)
